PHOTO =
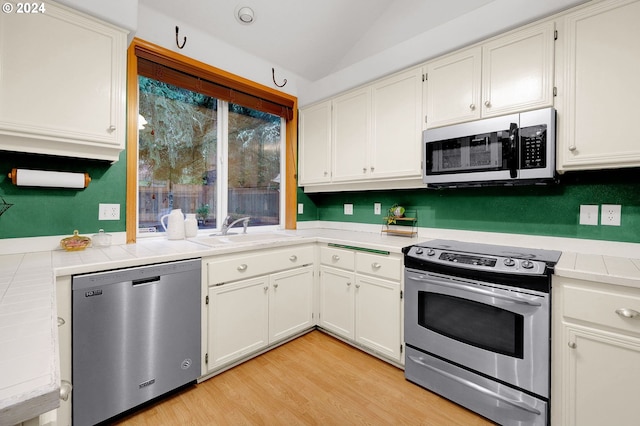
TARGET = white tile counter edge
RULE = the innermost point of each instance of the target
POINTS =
(603, 261)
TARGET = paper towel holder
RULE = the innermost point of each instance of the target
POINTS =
(49, 179)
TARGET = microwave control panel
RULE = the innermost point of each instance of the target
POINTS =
(533, 147)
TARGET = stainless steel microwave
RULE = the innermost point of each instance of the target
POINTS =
(515, 149)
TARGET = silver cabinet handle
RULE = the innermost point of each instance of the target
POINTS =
(242, 267)
(111, 129)
(266, 287)
(326, 173)
(513, 402)
(372, 169)
(472, 107)
(487, 103)
(627, 313)
(61, 321)
(364, 170)
(335, 257)
(376, 265)
(572, 345)
(348, 284)
(293, 258)
(275, 285)
(65, 390)
(357, 285)
(572, 148)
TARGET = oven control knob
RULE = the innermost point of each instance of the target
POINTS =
(431, 252)
(419, 250)
(527, 264)
(509, 262)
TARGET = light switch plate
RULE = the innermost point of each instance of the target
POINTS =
(300, 208)
(377, 208)
(348, 209)
(588, 215)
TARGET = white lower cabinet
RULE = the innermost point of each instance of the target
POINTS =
(596, 354)
(245, 316)
(365, 309)
(238, 320)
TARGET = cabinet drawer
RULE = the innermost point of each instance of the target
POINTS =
(337, 257)
(237, 267)
(379, 266)
(600, 307)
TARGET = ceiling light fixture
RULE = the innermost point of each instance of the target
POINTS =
(245, 15)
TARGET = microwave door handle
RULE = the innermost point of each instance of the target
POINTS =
(472, 289)
(512, 161)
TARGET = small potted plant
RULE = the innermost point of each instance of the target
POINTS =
(395, 211)
(203, 213)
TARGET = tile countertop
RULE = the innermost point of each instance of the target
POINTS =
(29, 366)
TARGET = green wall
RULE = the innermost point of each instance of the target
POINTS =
(533, 210)
(54, 211)
(551, 211)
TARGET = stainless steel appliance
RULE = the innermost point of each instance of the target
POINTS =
(136, 336)
(513, 149)
(477, 327)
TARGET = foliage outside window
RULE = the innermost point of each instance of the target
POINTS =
(205, 156)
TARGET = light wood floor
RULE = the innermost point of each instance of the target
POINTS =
(313, 380)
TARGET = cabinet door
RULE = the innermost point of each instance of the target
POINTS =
(290, 303)
(351, 134)
(517, 71)
(602, 88)
(315, 144)
(601, 384)
(62, 85)
(378, 315)
(337, 291)
(397, 126)
(238, 320)
(453, 88)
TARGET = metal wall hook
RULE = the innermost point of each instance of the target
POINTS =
(184, 39)
(273, 74)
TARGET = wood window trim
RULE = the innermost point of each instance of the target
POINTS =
(233, 81)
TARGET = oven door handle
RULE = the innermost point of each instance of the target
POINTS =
(514, 402)
(476, 290)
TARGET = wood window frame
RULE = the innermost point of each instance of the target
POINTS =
(243, 89)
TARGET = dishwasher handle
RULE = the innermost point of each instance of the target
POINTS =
(143, 281)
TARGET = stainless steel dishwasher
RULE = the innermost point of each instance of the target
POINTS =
(136, 336)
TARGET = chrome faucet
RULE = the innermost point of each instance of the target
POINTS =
(227, 224)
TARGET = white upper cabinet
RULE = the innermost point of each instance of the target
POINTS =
(396, 131)
(62, 84)
(368, 135)
(351, 135)
(506, 74)
(599, 87)
(315, 144)
(453, 88)
(517, 71)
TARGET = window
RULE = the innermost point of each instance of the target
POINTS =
(206, 148)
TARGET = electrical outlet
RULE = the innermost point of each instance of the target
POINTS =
(300, 208)
(610, 214)
(348, 209)
(108, 211)
(377, 208)
(589, 215)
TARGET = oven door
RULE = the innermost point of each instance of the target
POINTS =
(498, 331)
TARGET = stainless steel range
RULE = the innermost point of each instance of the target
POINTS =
(477, 327)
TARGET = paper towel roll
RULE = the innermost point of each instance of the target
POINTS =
(25, 177)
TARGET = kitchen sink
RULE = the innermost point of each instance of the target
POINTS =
(223, 240)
